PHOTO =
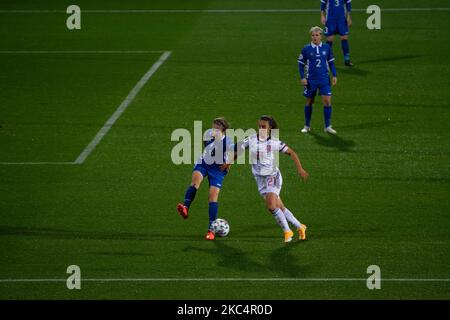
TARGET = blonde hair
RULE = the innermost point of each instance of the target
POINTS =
(316, 29)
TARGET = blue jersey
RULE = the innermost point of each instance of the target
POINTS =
(215, 152)
(335, 10)
(313, 63)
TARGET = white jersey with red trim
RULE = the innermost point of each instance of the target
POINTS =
(264, 154)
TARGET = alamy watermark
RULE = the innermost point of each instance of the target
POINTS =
(73, 22)
(374, 280)
(374, 20)
(191, 147)
(74, 280)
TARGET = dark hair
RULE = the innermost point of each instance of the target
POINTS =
(272, 123)
(222, 122)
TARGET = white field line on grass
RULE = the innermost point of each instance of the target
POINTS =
(78, 51)
(110, 122)
(224, 280)
(35, 163)
(217, 10)
(123, 106)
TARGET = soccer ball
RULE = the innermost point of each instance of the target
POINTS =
(220, 227)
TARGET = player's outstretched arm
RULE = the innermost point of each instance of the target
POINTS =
(298, 164)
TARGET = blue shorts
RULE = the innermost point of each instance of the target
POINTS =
(215, 176)
(311, 89)
(336, 27)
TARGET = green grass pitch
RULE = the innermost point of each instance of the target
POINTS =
(378, 192)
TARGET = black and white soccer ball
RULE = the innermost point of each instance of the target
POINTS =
(220, 227)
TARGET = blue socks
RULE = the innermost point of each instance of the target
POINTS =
(189, 196)
(213, 206)
(213, 211)
(308, 113)
(345, 49)
(327, 115)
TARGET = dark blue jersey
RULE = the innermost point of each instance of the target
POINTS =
(215, 152)
(313, 63)
(335, 10)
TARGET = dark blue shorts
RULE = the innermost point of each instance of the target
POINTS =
(336, 27)
(311, 89)
(215, 176)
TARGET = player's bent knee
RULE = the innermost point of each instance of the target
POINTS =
(281, 205)
(271, 202)
(213, 194)
(213, 197)
(196, 183)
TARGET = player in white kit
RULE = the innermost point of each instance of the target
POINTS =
(263, 148)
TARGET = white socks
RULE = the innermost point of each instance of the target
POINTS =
(281, 219)
(290, 217)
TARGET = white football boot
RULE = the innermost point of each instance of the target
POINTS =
(330, 130)
(306, 129)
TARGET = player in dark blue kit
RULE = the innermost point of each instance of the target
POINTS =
(337, 20)
(313, 64)
(212, 164)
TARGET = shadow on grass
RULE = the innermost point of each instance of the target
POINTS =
(390, 59)
(284, 262)
(357, 71)
(354, 71)
(334, 141)
(230, 257)
(371, 125)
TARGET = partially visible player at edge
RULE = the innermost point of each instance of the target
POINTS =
(262, 148)
(313, 63)
(337, 20)
(211, 163)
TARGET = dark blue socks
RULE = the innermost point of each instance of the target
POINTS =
(308, 113)
(213, 211)
(189, 196)
(346, 49)
(327, 116)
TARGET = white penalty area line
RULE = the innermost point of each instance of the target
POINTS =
(292, 10)
(226, 280)
(123, 106)
(110, 122)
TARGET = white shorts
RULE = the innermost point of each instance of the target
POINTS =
(268, 184)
